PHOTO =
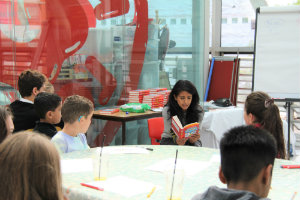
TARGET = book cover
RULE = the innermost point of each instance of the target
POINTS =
(109, 111)
(185, 131)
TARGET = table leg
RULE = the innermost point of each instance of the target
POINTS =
(123, 133)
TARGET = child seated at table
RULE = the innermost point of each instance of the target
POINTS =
(48, 108)
(49, 87)
(247, 160)
(6, 122)
(30, 168)
(76, 112)
(261, 111)
(30, 83)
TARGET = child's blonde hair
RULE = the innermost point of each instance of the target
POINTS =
(49, 87)
(30, 168)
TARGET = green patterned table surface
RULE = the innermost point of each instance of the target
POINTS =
(285, 182)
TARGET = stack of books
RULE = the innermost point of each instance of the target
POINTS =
(154, 101)
(136, 96)
(108, 110)
(156, 90)
(166, 94)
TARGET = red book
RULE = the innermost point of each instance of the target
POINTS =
(185, 131)
(109, 111)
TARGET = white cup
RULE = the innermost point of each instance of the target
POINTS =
(174, 192)
(100, 167)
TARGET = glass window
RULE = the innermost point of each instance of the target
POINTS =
(245, 20)
(173, 21)
(113, 22)
(242, 13)
(224, 20)
(103, 59)
(234, 20)
(183, 21)
(237, 33)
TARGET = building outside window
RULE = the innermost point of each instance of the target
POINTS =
(93, 54)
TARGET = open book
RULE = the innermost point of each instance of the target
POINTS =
(185, 131)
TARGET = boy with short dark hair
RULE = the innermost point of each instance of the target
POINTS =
(77, 112)
(48, 108)
(30, 83)
(247, 160)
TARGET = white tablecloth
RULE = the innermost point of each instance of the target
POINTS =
(216, 122)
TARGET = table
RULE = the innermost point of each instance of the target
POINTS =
(123, 117)
(284, 182)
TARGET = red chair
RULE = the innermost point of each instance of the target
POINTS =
(155, 128)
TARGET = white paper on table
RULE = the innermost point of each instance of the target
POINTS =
(76, 165)
(124, 186)
(190, 167)
(215, 158)
(123, 150)
(157, 109)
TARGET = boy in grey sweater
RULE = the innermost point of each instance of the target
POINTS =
(247, 160)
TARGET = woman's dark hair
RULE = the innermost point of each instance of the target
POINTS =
(4, 113)
(192, 113)
(267, 114)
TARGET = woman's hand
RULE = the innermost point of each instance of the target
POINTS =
(181, 141)
(193, 138)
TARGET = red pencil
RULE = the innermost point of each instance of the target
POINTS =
(91, 186)
(290, 166)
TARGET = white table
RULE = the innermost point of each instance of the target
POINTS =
(203, 166)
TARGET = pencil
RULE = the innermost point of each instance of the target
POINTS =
(294, 195)
(151, 192)
(91, 186)
(174, 173)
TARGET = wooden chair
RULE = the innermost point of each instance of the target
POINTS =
(155, 128)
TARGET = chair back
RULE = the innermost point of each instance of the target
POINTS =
(155, 128)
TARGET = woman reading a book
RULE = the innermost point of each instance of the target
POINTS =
(184, 103)
(260, 111)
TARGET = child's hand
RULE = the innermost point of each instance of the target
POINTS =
(181, 141)
(193, 138)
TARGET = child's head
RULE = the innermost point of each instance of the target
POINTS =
(48, 107)
(256, 104)
(6, 122)
(184, 95)
(77, 109)
(36, 168)
(31, 82)
(246, 152)
(260, 108)
(49, 87)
